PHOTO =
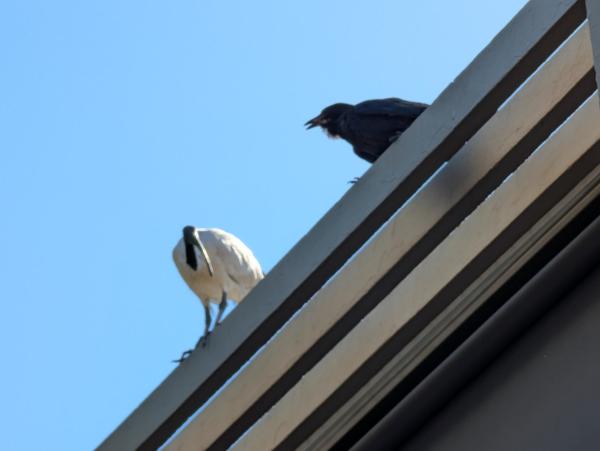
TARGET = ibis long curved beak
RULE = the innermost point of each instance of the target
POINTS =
(191, 239)
(198, 242)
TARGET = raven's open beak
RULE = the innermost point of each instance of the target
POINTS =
(314, 122)
(198, 243)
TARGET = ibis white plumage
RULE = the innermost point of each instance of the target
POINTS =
(217, 266)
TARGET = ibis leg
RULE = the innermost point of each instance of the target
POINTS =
(207, 320)
(222, 307)
(203, 339)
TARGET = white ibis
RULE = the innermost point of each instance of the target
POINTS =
(217, 266)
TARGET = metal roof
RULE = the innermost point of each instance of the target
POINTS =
(510, 152)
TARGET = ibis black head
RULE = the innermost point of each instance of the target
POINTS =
(191, 239)
(329, 118)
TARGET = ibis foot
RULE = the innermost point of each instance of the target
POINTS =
(184, 356)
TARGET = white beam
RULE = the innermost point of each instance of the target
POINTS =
(460, 110)
(463, 173)
(413, 294)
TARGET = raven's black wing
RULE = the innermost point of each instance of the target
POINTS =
(390, 107)
(372, 125)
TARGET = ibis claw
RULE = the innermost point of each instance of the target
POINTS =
(204, 340)
(184, 356)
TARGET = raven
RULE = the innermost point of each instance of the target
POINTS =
(370, 126)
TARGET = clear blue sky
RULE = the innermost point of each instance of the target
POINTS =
(122, 121)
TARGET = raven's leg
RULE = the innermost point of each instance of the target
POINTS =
(222, 307)
(395, 136)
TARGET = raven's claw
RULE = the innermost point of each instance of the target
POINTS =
(394, 137)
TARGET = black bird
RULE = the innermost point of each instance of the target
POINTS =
(370, 126)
